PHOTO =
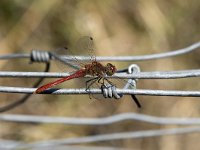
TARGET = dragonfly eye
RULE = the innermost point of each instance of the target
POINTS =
(110, 69)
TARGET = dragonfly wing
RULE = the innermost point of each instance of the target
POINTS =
(85, 46)
(65, 65)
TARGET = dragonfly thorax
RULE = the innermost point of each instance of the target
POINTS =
(97, 69)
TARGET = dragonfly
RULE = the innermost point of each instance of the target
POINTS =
(98, 71)
(94, 69)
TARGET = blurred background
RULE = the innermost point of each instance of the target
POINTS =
(119, 28)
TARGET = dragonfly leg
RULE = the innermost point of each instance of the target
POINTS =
(99, 80)
(112, 84)
(88, 84)
(103, 83)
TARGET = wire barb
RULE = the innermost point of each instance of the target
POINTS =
(109, 91)
(40, 56)
(131, 84)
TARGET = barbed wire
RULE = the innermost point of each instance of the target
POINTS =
(171, 53)
(45, 56)
(34, 57)
(56, 91)
(107, 137)
(111, 119)
(99, 121)
(138, 75)
(103, 121)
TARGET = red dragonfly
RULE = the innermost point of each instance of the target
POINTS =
(95, 69)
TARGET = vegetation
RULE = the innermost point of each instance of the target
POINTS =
(119, 28)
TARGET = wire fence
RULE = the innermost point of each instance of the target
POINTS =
(138, 75)
(44, 56)
(104, 138)
(99, 121)
(41, 56)
(117, 136)
(171, 53)
(99, 91)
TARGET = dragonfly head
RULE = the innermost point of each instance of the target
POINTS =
(110, 69)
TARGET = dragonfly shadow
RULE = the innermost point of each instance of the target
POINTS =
(49, 91)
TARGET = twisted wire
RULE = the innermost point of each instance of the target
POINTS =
(98, 91)
(171, 53)
(139, 75)
(36, 56)
(40, 56)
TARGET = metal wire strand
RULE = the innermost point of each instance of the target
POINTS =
(15, 56)
(25, 98)
(44, 57)
(110, 137)
(143, 57)
(171, 53)
(11, 145)
(139, 75)
(99, 121)
(98, 91)
(36, 56)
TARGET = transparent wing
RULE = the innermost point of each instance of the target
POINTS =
(83, 47)
(63, 64)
